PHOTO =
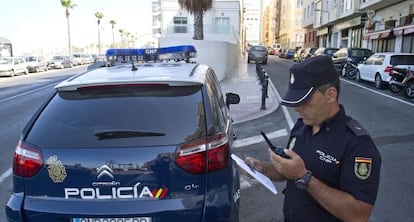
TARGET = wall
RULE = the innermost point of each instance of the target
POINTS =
(220, 55)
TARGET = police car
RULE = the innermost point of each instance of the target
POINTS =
(146, 139)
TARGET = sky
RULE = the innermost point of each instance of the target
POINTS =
(40, 25)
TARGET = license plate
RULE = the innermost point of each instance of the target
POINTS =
(131, 219)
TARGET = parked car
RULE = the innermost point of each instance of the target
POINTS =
(328, 51)
(377, 67)
(37, 63)
(82, 58)
(61, 62)
(307, 53)
(355, 55)
(130, 143)
(11, 66)
(257, 54)
(290, 54)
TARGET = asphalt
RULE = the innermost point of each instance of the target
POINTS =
(243, 80)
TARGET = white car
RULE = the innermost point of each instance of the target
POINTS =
(377, 67)
(10, 66)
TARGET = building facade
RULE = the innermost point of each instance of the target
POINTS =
(381, 25)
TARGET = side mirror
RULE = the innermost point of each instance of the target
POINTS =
(232, 98)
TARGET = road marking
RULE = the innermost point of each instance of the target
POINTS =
(257, 139)
(379, 93)
(286, 113)
(26, 93)
(5, 174)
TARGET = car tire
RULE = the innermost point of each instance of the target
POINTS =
(409, 89)
(378, 82)
(394, 88)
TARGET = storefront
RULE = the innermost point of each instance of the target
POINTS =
(323, 35)
(348, 32)
(407, 35)
(381, 41)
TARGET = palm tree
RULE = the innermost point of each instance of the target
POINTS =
(121, 31)
(197, 8)
(68, 5)
(113, 22)
(99, 16)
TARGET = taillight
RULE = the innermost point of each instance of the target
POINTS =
(27, 160)
(388, 69)
(205, 155)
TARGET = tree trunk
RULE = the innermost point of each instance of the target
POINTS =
(67, 22)
(198, 26)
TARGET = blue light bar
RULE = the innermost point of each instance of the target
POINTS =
(177, 53)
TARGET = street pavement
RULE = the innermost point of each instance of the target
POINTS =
(244, 81)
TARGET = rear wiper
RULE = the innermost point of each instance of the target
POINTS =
(114, 134)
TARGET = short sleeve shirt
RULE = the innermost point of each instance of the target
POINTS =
(342, 155)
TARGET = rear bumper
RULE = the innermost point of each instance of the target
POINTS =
(258, 59)
(213, 207)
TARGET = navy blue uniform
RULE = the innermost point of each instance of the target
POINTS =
(342, 155)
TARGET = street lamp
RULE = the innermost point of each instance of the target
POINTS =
(321, 10)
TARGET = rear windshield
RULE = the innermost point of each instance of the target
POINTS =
(330, 51)
(120, 117)
(258, 48)
(361, 53)
(402, 60)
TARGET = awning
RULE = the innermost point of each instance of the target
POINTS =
(378, 35)
(403, 29)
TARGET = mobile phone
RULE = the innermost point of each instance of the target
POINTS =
(276, 149)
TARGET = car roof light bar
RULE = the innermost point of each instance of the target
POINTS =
(176, 53)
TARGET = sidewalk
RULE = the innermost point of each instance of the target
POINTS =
(243, 81)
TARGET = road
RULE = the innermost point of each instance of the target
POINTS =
(387, 117)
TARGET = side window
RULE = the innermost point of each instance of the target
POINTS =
(218, 106)
(379, 60)
(370, 60)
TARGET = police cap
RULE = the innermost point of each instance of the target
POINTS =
(306, 76)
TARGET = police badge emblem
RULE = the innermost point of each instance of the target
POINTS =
(362, 167)
(292, 78)
(57, 171)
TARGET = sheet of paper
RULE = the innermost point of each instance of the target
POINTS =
(263, 179)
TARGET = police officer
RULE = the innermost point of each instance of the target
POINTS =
(334, 166)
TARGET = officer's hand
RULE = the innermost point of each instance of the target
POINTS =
(293, 168)
(255, 163)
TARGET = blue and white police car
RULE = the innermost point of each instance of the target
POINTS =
(146, 139)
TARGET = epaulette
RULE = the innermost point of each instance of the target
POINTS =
(356, 128)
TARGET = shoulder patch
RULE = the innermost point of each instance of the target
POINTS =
(356, 128)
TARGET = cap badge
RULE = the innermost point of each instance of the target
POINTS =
(362, 167)
(57, 171)
(292, 78)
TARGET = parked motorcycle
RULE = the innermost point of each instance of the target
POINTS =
(402, 80)
(350, 69)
